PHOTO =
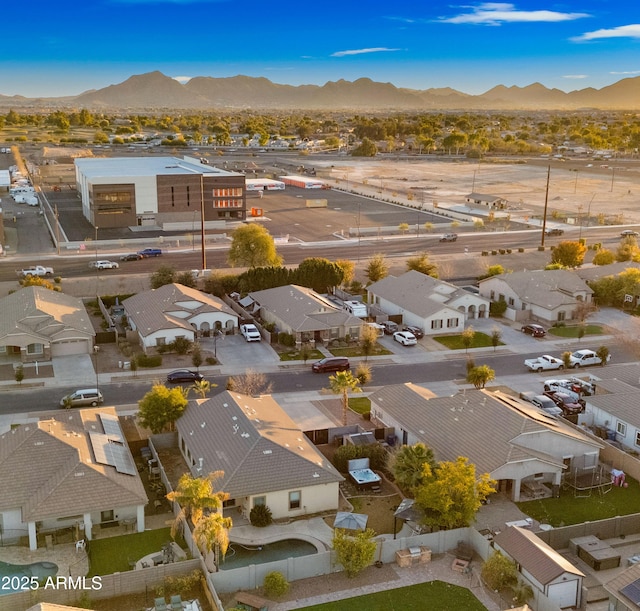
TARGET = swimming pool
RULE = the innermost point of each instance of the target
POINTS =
(243, 555)
(17, 577)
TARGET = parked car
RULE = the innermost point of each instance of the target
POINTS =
(405, 338)
(82, 398)
(554, 231)
(584, 358)
(331, 363)
(150, 252)
(534, 330)
(629, 232)
(184, 375)
(547, 405)
(132, 256)
(390, 327)
(449, 237)
(250, 333)
(104, 265)
(565, 402)
(417, 331)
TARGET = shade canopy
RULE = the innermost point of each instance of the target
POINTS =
(350, 521)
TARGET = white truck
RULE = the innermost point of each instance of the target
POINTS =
(250, 333)
(544, 363)
(35, 270)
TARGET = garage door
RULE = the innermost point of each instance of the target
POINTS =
(78, 346)
(564, 594)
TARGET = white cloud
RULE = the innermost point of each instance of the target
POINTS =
(182, 79)
(497, 13)
(626, 72)
(361, 51)
(575, 76)
(623, 31)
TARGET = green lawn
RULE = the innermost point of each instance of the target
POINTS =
(360, 405)
(454, 342)
(357, 351)
(294, 355)
(573, 331)
(567, 509)
(432, 595)
(112, 554)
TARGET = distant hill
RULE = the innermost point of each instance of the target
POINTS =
(155, 90)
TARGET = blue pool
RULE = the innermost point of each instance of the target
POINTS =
(17, 577)
(240, 555)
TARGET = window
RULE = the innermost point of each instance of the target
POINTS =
(436, 324)
(511, 301)
(561, 316)
(452, 322)
(35, 349)
(638, 438)
(621, 428)
(227, 203)
(259, 501)
(294, 499)
(228, 192)
(492, 295)
(161, 341)
(501, 297)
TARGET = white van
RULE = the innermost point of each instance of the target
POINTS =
(82, 398)
(355, 308)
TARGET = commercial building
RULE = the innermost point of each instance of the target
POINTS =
(165, 192)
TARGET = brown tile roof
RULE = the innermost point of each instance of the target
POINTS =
(535, 556)
(620, 581)
(52, 469)
(256, 444)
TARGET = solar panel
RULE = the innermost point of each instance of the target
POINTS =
(111, 426)
(122, 460)
(99, 443)
(109, 451)
(632, 591)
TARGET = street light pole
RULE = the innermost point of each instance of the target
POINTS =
(202, 232)
(95, 347)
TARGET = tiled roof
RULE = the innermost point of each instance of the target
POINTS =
(44, 315)
(534, 555)
(170, 306)
(48, 469)
(601, 271)
(256, 444)
(620, 581)
(623, 405)
(491, 429)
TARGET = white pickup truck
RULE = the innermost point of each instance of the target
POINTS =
(544, 363)
(250, 333)
(35, 270)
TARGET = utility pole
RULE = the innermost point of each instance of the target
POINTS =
(202, 232)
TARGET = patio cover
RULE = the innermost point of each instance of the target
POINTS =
(351, 521)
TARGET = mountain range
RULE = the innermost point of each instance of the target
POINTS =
(156, 91)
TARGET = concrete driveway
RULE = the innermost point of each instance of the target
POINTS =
(236, 355)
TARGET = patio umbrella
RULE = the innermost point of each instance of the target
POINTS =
(350, 521)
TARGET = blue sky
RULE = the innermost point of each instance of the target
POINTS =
(69, 46)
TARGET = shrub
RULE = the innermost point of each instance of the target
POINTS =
(520, 249)
(540, 248)
(286, 339)
(181, 345)
(145, 360)
(498, 308)
(275, 584)
(210, 360)
(260, 516)
(18, 374)
(375, 453)
(57, 279)
(269, 326)
(485, 253)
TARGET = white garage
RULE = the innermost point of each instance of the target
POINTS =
(70, 347)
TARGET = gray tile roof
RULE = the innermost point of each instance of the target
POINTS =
(256, 444)
(600, 271)
(171, 306)
(48, 469)
(44, 315)
(620, 581)
(624, 372)
(622, 405)
(302, 309)
(535, 556)
(488, 428)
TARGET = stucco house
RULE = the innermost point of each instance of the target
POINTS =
(546, 296)
(71, 471)
(266, 458)
(305, 314)
(491, 201)
(546, 570)
(431, 304)
(38, 324)
(515, 443)
(159, 316)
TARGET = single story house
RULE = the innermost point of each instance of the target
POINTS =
(428, 303)
(515, 443)
(543, 567)
(624, 590)
(305, 314)
(546, 296)
(266, 458)
(492, 201)
(38, 324)
(160, 316)
(71, 471)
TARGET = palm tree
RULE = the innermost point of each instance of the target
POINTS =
(211, 534)
(408, 465)
(202, 388)
(194, 495)
(342, 383)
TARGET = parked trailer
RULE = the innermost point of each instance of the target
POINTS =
(304, 182)
(264, 184)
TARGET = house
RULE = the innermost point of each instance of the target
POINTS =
(74, 470)
(428, 303)
(38, 324)
(624, 590)
(597, 272)
(515, 443)
(546, 296)
(544, 568)
(491, 201)
(266, 458)
(305, 314)
(160, 316)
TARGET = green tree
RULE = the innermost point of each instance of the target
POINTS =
(569, 254)
(604, 256)
(194, 495)
(18, 374)
(305, 352)
(496, 337)
(466, 338)
(498, 308)
(319, 274)
(186, 279)
(162, 276)
(363, 373)
(421, 263)
(407, 465)
(492, 270)
(480, 375)
(39, 281)
(499, 572)
(603, 354)
(452, 494)
(161, 407)
(368, 340)
(275, 584)
(376, 268)
(355, 552)
(196, 355)
(628, 249)
(341, 383)
(367, 148)
(202, 388)
(211, 534)
(348, 270)
(253, 246)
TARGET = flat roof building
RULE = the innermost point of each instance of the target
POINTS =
(165, 192)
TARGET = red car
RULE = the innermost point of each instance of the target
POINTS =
(565, 402)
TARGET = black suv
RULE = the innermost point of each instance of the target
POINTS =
(554, 231)
(331, 363)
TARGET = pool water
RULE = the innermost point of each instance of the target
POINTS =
(239, 556)
(15, 577)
